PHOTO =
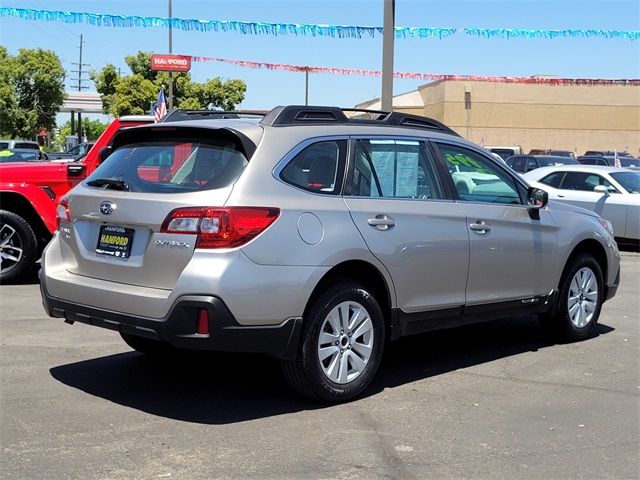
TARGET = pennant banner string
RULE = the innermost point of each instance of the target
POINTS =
(298, 29)
(417, 75)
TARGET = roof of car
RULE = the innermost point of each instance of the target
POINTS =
(542, 171)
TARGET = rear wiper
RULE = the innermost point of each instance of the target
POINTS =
(109, 184)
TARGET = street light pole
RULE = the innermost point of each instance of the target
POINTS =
(387, 55)
(170, 52)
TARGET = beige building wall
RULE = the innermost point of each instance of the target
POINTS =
(572, 117)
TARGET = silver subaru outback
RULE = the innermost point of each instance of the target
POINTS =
(316, 235)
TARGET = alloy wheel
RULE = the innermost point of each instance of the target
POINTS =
(11, 248)
(345, 343)
(582, 298)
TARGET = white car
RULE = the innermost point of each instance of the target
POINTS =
(613, 193)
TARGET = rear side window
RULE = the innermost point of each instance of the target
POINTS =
(393, 168)
(171, 167)
(318, 168)
(553, 179)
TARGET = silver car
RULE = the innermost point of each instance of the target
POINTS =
(316, 237)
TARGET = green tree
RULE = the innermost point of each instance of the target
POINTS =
(31, 91)
(135, 93)
(92, 129)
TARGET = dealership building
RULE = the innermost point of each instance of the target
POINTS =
(571, 117)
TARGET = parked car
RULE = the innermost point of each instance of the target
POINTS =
(314, 237)
(561, 153)
(29, 196)
(613, 193)
(609, 161)
(505, 152)
(607, 153)
(11, 144)
(526, 163)
(22, 155)
(72, 154)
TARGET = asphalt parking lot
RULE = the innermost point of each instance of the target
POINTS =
(487, 401)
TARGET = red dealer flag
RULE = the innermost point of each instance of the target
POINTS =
(171, 63)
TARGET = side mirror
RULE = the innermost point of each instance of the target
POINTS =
(537, 198)
(601, 189)
(104, 153)
(75, 169)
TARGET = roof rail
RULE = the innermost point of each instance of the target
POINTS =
(182, 115)
(313, 115)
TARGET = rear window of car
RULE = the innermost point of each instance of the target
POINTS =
(29, 145)
(548, 162)
(175, 166)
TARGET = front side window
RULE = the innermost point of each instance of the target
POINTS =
(171, 166)
(517, 163)
(531, 164)
(318, 168)
(393, 168)
(585, 182)
(478, 179)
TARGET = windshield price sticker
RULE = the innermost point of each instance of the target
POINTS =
(115, 241)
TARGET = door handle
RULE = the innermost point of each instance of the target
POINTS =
(480, 227)
(561, 196)
(382, 222)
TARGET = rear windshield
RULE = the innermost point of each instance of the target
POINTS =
(175, 166)
(503, 152)
(548, 162)
(629, 180)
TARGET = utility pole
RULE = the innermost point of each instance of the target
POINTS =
(170, 52)
(306, 86)
(387, 55)
(80, 71)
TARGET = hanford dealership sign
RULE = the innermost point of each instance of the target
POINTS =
(170, 63)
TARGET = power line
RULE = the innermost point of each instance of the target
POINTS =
(80, 71)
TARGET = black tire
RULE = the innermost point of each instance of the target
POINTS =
(148, 346)
(305, 374)
(18, 240)
(560, 323)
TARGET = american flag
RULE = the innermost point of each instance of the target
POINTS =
(161, 106)
(616, 159)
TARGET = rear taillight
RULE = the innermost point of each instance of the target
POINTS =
(220, 227)
(62, 212)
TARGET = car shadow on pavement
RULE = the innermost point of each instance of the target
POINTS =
(223, 388)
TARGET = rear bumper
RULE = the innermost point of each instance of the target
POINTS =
(179, 326)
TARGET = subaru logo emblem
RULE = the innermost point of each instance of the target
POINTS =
(107, 208)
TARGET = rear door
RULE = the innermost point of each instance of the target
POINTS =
(118, 212)
(512, 256)
(399, 208)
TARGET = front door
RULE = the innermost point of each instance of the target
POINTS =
(512, 256)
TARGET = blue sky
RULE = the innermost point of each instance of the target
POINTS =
(460, 54)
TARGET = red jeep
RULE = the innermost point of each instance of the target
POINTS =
(29, 196)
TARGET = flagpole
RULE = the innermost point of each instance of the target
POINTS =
(170, 52)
